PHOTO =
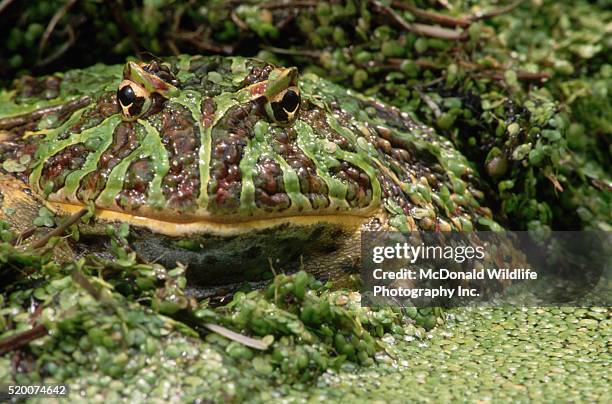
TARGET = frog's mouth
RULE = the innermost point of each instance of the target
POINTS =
(169, 226)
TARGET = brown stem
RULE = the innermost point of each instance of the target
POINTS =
(61, 50)
(288, 4)
(295, 52)
(525, 76)
(441, 19)
(24, 235)
(430, 103)
(496, 75)
(234, 336)
(80, 278)
(495, 12)
(238, 21)
(116, 10)
(445, 4)
(424, 63)
(4, 4)
(193, 38)
(53, 22)
(173, 48)
(21, 339)
(59, 230)
(420, 29)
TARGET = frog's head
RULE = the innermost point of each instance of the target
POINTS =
(146, 86)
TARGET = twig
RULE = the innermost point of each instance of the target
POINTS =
(602, 185)
(234, 336)
(37, 312)
(444, 3)
(524, 76)
(430, 103)
(421, 29)
(424, 63)
(116, 10)
(555, 182)
(61, 50)
(173, 48)
(52, 23)
(273, 5)
(238, 21)
(21, 339)
(441, 19)
(80, 278)
(59, 230)
(24, 235)
(495, 12)
(194, 39)
(295, 52)
(4, 4)
(496, 75)
(447, 20)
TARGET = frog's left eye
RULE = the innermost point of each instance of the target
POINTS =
(283, 107)
(134, 100)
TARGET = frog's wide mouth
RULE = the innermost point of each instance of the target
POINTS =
(174, 228)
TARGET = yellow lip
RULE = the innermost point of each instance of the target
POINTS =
(168, 227)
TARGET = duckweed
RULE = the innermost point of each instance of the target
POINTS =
(112, 343)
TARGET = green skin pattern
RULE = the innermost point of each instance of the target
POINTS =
(209, 150)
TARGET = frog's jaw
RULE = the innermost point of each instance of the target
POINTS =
(192, 226)
(229, 261)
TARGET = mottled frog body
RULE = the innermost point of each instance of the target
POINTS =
(229, 164)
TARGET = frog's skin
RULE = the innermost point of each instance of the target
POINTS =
(208, 176)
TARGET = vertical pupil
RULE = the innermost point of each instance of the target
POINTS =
(126, 96)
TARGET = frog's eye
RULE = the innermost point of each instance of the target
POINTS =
(283, 107)
(134, 100)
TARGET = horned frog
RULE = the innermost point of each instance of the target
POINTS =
(227, 164)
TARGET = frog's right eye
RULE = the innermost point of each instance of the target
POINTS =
(283, 107)
(134, 100)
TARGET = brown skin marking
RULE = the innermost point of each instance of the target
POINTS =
(125, 140)
(63, 163)
(359, 193)
(105, 106)
(311, 185)
(269, 186)
(181, 138)
(208, 108)
(229, 138)
(259, 72)
(137, 179)
(317, 119)
(44, 87)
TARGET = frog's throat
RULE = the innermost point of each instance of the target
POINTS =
(221, 226)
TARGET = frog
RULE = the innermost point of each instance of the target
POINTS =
(234, 167)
